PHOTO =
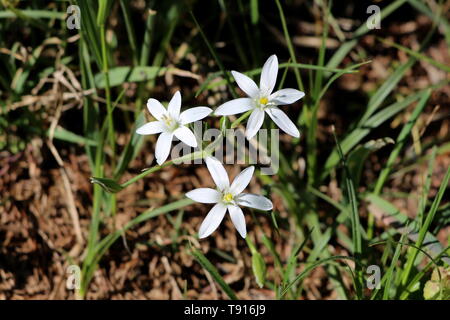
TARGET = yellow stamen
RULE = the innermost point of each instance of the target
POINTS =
(227, 197)
(263, 100)
(170, 122)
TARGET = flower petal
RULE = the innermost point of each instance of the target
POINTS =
(269, 75)
(212, 220)
(218, 173)
(242, 180)
(282, 121)
(175, 105)
(246, 84)
(156, 108)
(185, 134)
(254, 201)
(254, 123)
(162, 149)
(237, 216)
(204, 195)
(151, 128)
(194, 114)
(234, 107)
(286, 96)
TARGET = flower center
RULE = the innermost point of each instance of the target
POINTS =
(263, 100)
(170, 123)
(227, 197)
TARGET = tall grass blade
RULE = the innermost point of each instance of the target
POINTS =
(209, 267)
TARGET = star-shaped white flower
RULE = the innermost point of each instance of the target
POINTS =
(262, 100)
(227, 196)
(170, 122)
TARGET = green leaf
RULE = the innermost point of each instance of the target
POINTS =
(417, 55)
(34, 14)
(426, 226)
(109, 185)
(62, 134)
(89, 29)
(215, 56)
(355, 136)
(355, 222)
(208, 266)
(309, 268)
(390, 272)
(289, 44)
(358, 156)
(346, 47)
(119, 75)
(258, 264)
(386, 88)
(259, 269)
(401, 140)
(402, 224)
(435, 15)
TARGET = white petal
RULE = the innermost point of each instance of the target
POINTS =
(218, 173)
(254, 123)
(212, 220)
(286, 96)
(234, 107)
(151, 128)
(204, 195)
(237, 216)
(175, 105)
(194, 114)
(242, 180)
(269, 75)
(246, 84)
(282, 121)
(185, 134)
(163, 147)
(254, 201)
(156, 108)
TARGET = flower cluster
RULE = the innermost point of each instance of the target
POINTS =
(171, 122)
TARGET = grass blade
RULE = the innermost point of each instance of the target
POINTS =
(208, 266)
(356, 234)
(308, 269)
(425, 227)
(401, 140)
(289, 44)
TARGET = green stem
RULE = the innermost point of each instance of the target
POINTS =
(190, 156)
(289, 44)
(424, 229)
(215, 56)
(130, 30)
(108, 94)
(238, 121)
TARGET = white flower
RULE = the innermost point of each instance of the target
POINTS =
(227, 196)
(262, 100)
(170, 122)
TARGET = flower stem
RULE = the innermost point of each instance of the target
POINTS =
(238, 121)
(107, 93)
(190, 156)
